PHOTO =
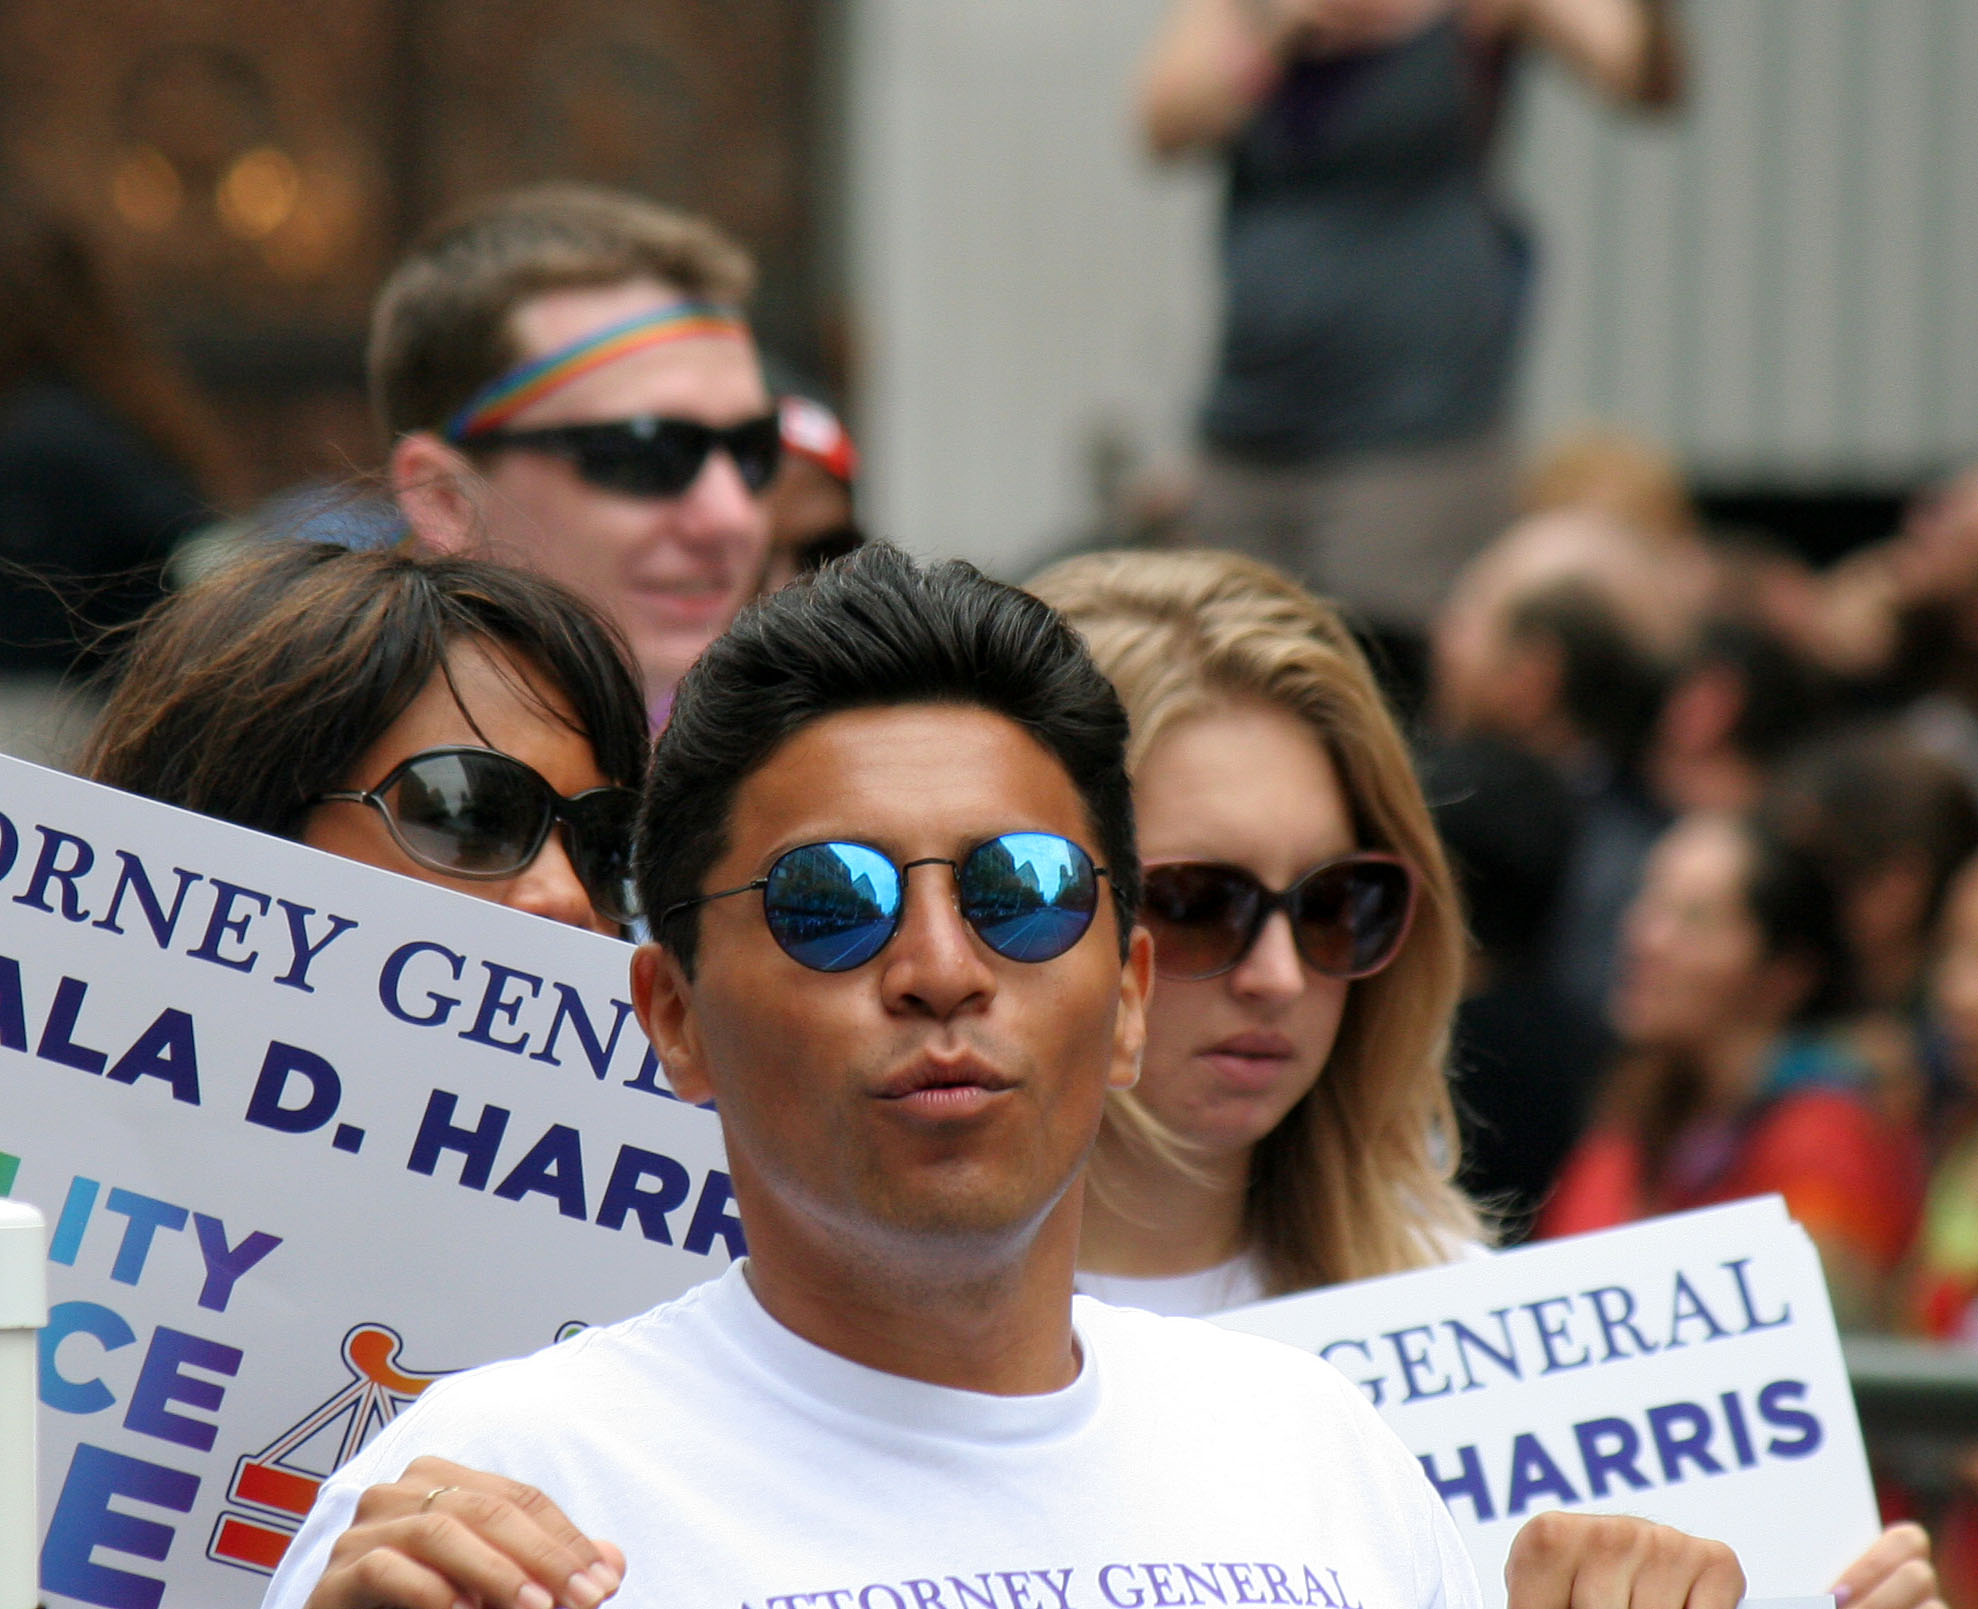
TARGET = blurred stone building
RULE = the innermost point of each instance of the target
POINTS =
(253, 167)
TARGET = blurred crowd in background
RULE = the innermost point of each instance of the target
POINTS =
(1713, 806)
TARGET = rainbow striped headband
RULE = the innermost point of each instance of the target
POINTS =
(500, 400)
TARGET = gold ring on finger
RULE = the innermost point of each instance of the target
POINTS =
(438, 1491)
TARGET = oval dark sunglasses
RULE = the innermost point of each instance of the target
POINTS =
(478, 813)
(833, 906)
(1348, 917)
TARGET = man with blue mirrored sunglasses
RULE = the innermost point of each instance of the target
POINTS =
(889, 841)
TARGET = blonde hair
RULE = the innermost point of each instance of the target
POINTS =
(1356, 1180)
(1605, 470)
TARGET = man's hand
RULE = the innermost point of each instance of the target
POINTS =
(1612, 1561)
(1895, 1573)
(445, 1537)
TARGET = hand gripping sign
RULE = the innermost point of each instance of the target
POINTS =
(307, 1135)
(1685, 1369)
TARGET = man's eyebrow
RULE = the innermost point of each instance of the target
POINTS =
(958, 845)
(870, 840)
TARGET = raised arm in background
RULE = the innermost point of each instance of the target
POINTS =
(1214, 60)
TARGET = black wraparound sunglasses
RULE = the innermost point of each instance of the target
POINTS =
(649, 456)
(1029, 896)
(478, 813)
(1348, 917)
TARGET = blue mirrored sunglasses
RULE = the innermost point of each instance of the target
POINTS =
(1029, 896)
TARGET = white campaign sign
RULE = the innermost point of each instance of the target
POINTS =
(306, 1135)
(1686, 1369)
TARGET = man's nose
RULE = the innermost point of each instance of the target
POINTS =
(1273, 968)
(719, 502)
(935, 965)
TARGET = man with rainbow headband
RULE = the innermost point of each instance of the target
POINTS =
(570, 387)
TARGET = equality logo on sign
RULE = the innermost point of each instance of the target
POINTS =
(277, 1484)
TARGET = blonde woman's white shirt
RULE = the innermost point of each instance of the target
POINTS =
(1235, 1283)
(741, 1467)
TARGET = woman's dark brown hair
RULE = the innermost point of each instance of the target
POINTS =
(258, 688)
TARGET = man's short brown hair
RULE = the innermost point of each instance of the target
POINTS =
(440, 330)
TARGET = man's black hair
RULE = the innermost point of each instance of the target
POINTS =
(874, 629)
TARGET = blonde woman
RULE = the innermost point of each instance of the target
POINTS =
(1292, 1124)
(1264, 760)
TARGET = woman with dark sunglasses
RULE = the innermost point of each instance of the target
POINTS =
(457, 721)
(1292, 1125)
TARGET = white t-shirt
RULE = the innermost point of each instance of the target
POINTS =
(739, 1465)
(1235, 1283)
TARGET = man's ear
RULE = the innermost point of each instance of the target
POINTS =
(435, 487)
(1130, 1026)
(664, 1000)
